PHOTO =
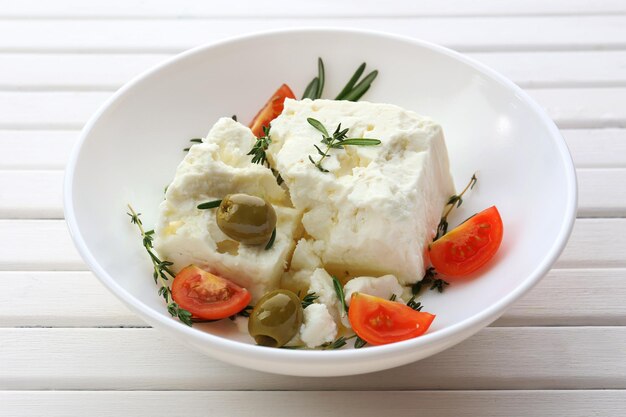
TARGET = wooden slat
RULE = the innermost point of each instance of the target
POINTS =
(475, 34)
(251, 8)
(42, 72)
(41, 149)
(38, 194)
(31, 194)
(579, 403)
(35, 149)
(566, 297)
(61, 299)
(595, 243)
(495, 358)
(597, 148)
(569, 107)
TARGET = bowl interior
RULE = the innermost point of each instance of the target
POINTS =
(129, 153)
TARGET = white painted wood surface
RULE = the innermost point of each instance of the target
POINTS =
(69, 348)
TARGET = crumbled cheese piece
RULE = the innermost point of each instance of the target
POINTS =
(318, 327)
(383, 287)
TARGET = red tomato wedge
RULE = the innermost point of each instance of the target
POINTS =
(468, 246)
(379, 321)
(207, 296)
(271, 110)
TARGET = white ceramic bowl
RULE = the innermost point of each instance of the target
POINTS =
(130, 148)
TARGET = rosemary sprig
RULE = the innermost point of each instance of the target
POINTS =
(337, 344)
(194, 140)
(316, 86)
(161, 270)
(393, 297)
(340, 295)
(309, 299)
(260, 146)
(270, 242)
(353, 91)
(209, 205)
(430, 279)
(338, 140)
(454, 201)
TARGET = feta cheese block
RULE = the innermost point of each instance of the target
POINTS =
(186, 235)
(377, 208)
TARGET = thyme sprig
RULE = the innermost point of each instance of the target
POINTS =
(193, 141)
(259, 156)
(162, 271)
(338, 140)
(415, 305)
(430, 279)
(454, 201)
(309, 299)
(340, 295)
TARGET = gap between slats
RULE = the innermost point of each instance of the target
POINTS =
(166, 36)
(186, 9)
(565, 297)
(519, 403)
(131, 359)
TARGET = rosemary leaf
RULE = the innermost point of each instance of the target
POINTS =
(311, 90)
(359, 142)
(360, 89)
(270, 243)
(318, 125)
(321, 78)
(342, 298)
(359, 343)
(351, 82)
(209, 205)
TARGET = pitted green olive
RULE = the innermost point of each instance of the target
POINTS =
(276, 318)
(246, 218)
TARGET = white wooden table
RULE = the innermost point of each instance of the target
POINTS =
(69, 348)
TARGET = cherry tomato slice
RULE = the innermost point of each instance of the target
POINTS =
(379, 321)
(469, 246)
(271, 110)
(208, 296)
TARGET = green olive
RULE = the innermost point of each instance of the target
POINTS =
(276, 318)
(246, 218)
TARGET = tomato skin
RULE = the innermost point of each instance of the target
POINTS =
(379, 321)
(207, 296)
(271, 110)
(468, 246)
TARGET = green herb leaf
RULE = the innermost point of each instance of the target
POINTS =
(321, 77)
(359, 142)
(309, 299)
(209, 205)
(415, 305)
(351, 82)
(317, 125)
(258, 153)
(311, 90)
(342, 298)
(270, 243)
(359, 343)
(357, 92)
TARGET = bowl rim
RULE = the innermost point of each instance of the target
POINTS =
(472, 323)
